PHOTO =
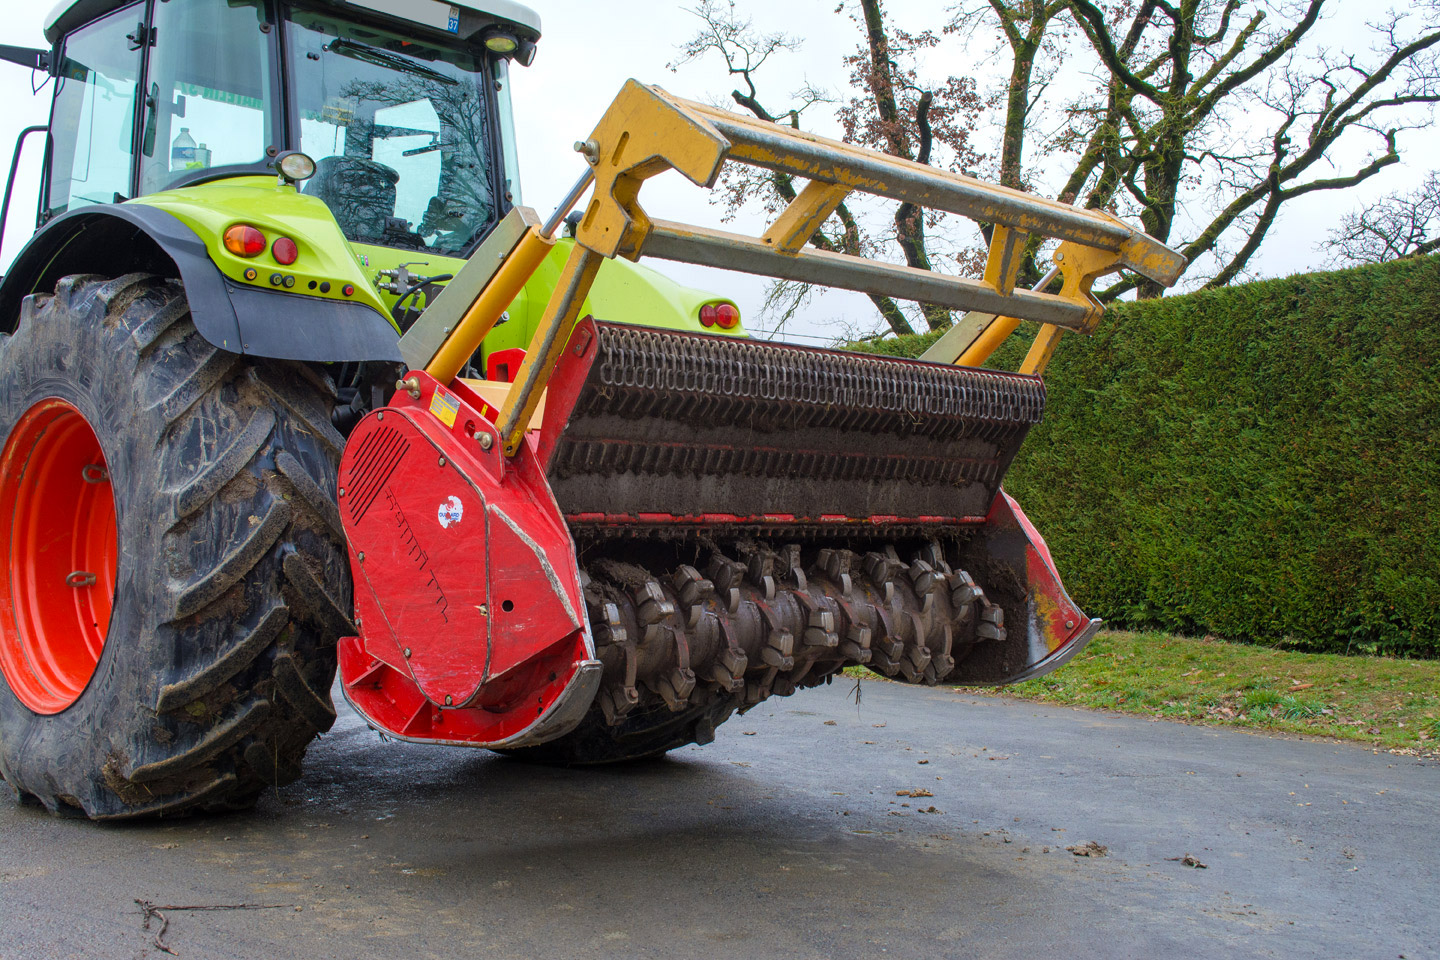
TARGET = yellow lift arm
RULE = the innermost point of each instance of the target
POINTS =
(647, 131)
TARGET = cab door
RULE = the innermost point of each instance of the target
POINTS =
(93, 118)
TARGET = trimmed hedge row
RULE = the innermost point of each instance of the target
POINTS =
(1260, 462)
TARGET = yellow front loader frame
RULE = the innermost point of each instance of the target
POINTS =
(647, 131)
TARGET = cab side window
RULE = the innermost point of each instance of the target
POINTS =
(209, 90)
(93, 120)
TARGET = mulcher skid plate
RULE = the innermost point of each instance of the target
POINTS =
(697, 521)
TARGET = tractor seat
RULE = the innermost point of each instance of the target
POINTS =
(359, 192)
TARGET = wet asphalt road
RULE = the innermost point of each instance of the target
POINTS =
(788, 843)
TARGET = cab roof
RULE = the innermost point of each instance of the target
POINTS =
(69, 14)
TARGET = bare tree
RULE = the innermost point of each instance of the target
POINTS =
(1205, 101)
(1401, 224)
(1204, 119)
(887, 108)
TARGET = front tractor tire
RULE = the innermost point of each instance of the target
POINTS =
(172, 567)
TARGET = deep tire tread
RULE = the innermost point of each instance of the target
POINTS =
(309, 491)
(244, 583)
(212, 675)
(206, 376)
(235, 564)
(316, 708)
(205, 485)
(218, 738)
(219, 787)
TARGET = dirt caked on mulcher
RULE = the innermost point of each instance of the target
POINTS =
(292, 379)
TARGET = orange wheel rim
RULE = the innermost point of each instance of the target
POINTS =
(58, 553)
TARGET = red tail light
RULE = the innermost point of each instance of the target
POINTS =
(284, 251)
(727, 316)
(244, 240)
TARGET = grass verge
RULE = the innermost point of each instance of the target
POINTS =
(1391, 704)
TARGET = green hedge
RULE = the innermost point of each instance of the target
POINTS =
(1260, 462)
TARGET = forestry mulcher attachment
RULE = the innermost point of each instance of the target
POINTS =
(574, 512)
(650, 530)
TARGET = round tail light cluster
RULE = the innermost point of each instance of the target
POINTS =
(243, 240)
(726, 316)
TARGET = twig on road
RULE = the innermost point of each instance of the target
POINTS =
(154, 911)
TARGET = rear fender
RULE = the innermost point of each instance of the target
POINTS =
(124, 238)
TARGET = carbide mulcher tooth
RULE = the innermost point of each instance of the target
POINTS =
(887, 647)
(963, 592)
(616, 701)
(819, 621)
(941, 662)
(885, 654)
(917, 656)
(727, 575)
(605, 621)
(651, 604)
(690, 586)
(693, 590)
(675, 688)
(992, 621)
(779, 650)
(836, 565)
(728, 670)
(924, 578)
(856, 645)
(761, 572)
(782, 687)
(820, 631)
(774, 654)
(934, 556)
(880, 569)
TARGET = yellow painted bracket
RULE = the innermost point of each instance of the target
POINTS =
(799, 221)
(644, 133)
(1080, 266)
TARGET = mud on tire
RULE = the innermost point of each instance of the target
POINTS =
(232, 583)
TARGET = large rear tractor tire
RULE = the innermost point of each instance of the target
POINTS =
(172, 569)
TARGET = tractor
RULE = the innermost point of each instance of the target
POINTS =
(291, 381)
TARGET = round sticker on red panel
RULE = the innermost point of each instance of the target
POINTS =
(451, 511)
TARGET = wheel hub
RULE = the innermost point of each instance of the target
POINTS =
(58, 553)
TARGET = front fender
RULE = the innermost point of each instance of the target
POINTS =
(125, 238)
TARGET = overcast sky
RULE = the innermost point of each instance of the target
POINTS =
(591, 47)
